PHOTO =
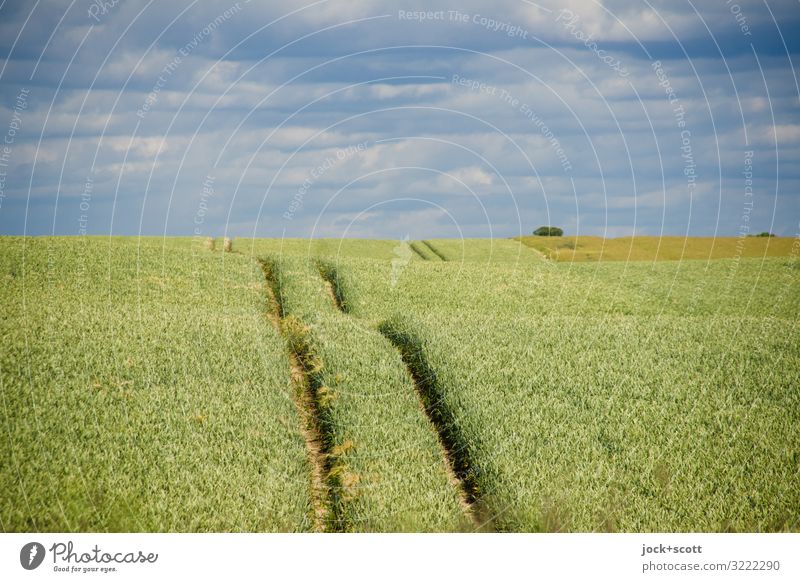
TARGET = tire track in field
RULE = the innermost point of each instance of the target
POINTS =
(536, 251)
(305, 400)
(455, 453)
(333, 285)
(422, 254)
(434, 250)
(460, 465)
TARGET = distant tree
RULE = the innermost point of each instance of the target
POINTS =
(548, 231)
(761, 234)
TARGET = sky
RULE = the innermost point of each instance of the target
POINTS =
(347, 118)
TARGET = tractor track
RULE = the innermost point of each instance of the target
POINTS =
(417, 251)
(459, 467)
(434, 250)
(325, 517)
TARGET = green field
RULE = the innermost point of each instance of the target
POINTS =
(432, 385)
(658, 248)
(142, 391)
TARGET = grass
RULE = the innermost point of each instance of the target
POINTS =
(386, 469)
(143, 390)
(453, 250)
(653, 248)
(319, 248)
(143, 387)
(483, 250)
(622, 397)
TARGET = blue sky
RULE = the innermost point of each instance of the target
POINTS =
(369, 119)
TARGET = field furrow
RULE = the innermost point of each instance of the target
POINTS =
(422, 251)
(305, 399)
(385, 463)
(455, 448)
(434, 250)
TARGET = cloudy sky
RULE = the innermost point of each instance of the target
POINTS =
(371, 119)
